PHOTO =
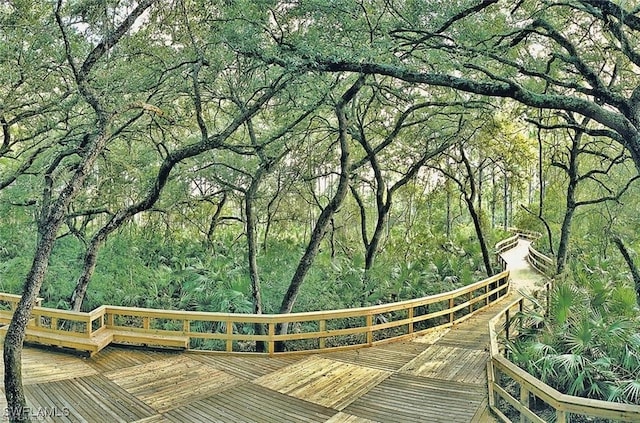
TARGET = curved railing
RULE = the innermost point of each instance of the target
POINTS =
(526, 234)
(524, 387)
(504, 245)
(234, 333)
(541, 263)
(536, 259)
(502, 372)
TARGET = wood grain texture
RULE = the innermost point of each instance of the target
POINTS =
(437, 377)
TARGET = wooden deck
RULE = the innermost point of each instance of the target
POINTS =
(440, 377)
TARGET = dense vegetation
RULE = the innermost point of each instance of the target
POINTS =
(145, 266)
(267, 156)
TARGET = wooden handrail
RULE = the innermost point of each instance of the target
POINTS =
(536, 259)
(526, 234)
(528, 385)
(503, 326)
(221, 332)
(540, 262)
(507, 244)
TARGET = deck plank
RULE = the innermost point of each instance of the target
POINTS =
(118, 357)
(235, 405)
(389, 357)
(88, 399)
(247, 368)
(450, 363)
(42, 365)
(348, 418)
(407, 398)
(169, 383)
(323, 381)
(158, 418)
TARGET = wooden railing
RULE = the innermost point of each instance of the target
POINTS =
(526, 234)
(509, 243)
(8, 304)
(536, 259)
(503, 246)
(541, 263)
(229, 332)
(504, 377)
(501, 372)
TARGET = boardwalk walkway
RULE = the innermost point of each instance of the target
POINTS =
(440, 377)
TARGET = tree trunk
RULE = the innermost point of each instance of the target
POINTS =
(252, 252)
(477, 224)
(49, 222)
(565, 231)
(505, 202)
(13, 342)
(480, 187)
(89, 266)
(469, 198)
(215, 219)
(633, 268)
(447, 186)
(494, 197)
(542, 190)
(327, 213)
(565, 235)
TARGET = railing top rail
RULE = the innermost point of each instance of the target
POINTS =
(556, 399)
(14, 297)
(311, 315)
(263, 318)
(526, 232)
(540, 255)
(505, 243)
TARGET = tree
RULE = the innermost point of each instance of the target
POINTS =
(463, 174)
(393, 164)
(576, 56)
(55, 202)
(631, 263)
(601, 160)
(327, 213)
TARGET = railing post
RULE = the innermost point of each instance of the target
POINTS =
(321, 340)
(229, 343)
(561, 416)
(369, 329)
(145, 323)
(520, 309)
(524, 400)
(451, 313)
(470, 303)
(410, 328)
(270, 340)
(507, 324)
(490, 381)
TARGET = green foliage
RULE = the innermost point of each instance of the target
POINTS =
(588, 343)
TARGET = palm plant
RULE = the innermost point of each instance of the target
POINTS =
(588, 345)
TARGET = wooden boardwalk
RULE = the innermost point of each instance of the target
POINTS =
(439, 377)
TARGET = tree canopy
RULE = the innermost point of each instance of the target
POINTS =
(351, 131)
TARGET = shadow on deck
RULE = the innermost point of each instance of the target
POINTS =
(440, 377)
